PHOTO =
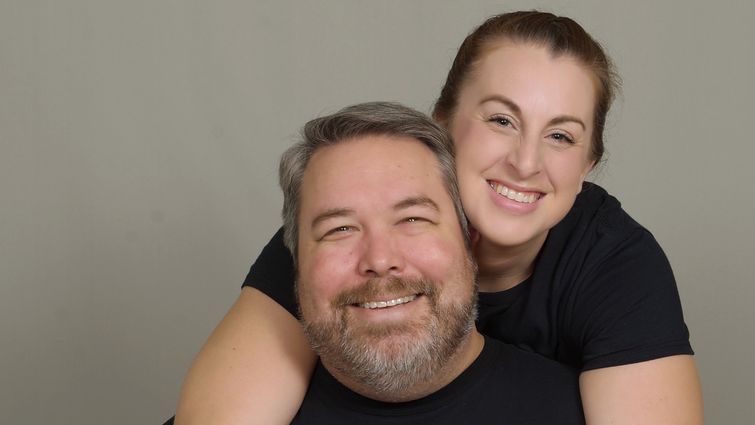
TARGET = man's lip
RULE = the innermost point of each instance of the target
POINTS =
(389, 301)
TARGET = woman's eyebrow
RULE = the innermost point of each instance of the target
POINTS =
(561, 119)
(504, 100)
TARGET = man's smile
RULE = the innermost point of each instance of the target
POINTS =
(389, 303)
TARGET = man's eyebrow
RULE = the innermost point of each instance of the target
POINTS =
(403, 204)
(416, 201)
(331, 213)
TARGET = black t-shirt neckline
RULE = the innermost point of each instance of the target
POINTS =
(333, 393)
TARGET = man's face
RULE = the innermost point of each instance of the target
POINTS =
(385, 283)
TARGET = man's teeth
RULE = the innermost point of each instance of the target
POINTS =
(525, 198)
(390, 303)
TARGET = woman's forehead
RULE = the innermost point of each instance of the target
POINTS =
(530, 75)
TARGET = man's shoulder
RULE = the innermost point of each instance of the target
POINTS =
(503, 382)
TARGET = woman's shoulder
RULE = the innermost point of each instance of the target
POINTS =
(599, 216)
(615, 289)
(597, 238)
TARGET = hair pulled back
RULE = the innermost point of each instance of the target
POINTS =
(561, 35)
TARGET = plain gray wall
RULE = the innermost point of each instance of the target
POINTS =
(139, 141)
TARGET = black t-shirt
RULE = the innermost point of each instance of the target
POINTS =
(602, 292)
(503, 385)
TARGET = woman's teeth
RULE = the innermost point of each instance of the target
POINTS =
(525, 198)
(390, 303)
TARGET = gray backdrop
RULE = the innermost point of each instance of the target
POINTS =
(139, 141)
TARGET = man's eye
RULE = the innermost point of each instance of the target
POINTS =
(417, 220)
(336, 232)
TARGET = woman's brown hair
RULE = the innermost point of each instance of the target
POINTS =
(561, 35)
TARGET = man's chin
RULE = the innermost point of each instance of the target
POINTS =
(391, 341)
(393, 361)
(382, 327)
(391, 356)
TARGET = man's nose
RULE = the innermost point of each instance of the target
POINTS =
(381, 256)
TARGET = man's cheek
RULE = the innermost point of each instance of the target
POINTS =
(436, 260)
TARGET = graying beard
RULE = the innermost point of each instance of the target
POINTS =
(409, 362)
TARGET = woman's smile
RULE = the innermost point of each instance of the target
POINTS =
(522, 131)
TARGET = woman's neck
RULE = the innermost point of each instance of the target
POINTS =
(503, 267)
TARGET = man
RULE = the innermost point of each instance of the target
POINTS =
(385, 283)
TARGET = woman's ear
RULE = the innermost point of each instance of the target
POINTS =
(440, 119)
(474, 235)
(589, 167)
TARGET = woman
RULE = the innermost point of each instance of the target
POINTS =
(563, 271)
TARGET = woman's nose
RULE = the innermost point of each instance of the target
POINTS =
(525, 157)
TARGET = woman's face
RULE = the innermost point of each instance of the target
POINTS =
(522, 127)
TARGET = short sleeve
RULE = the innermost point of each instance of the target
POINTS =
(628, 308)
(273, 273)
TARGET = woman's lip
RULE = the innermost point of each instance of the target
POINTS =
(515, 187)
(527, 205)
(526, 197)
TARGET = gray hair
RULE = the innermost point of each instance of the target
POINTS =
(365, 119)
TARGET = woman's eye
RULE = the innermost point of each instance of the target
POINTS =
(561, 137)
(502, 121)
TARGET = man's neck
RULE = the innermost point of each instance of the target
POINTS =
(465, 355)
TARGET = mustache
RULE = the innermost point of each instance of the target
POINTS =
(374, 288)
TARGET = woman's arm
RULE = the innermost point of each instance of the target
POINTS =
(254, 368)
(661, 391)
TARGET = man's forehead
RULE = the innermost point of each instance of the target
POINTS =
(390, 171)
